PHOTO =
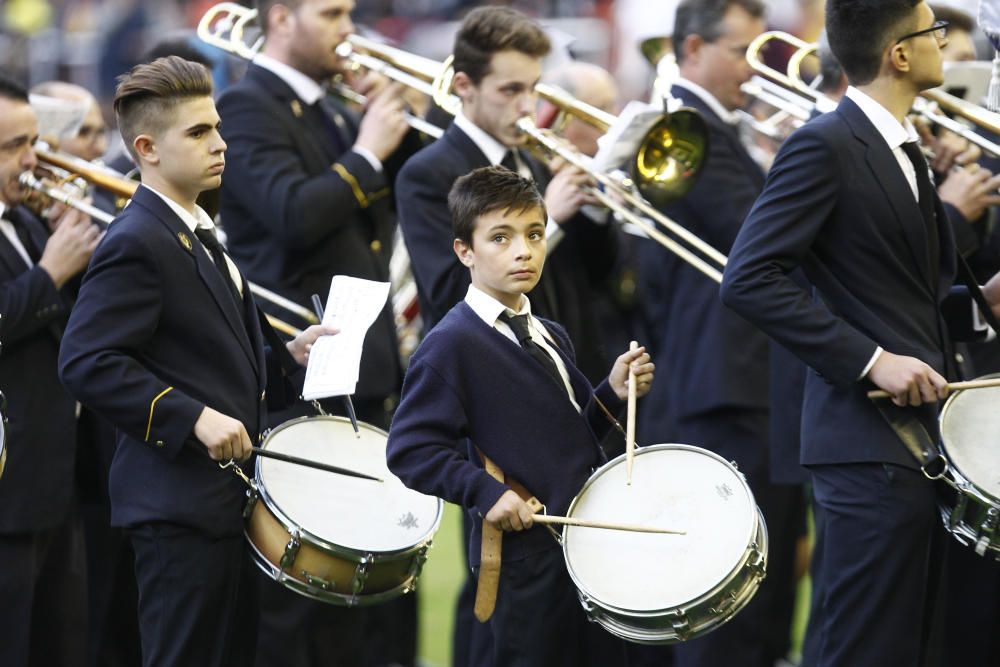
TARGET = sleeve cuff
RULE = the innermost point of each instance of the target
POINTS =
(369, 157)
(980, 325)
(554, 233)
(871, 362)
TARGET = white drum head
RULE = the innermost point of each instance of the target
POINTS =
(673, 486)
(970, 431)
(342, 511)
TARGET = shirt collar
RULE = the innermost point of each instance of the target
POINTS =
(894, 133)
(3, 209)
(304, 87)
(199, 219)
(491, 148)
(709, 99)
(488, 309)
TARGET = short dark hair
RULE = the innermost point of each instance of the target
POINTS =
(860, 30)
(11, 89)
(489, 30)
(148, 94)
(264, 6)
(486, 190)
(829, 66)
(704, 18)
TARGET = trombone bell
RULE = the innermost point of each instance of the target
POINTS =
(671, 156)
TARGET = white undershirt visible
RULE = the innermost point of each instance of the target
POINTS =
(489, 309)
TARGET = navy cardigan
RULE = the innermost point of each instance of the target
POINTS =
(469, 384)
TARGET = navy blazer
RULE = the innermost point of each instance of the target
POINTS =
(36, 489)
(713, 358)
(298, 209)
(154, 337)
(584, 257)
(837, 204)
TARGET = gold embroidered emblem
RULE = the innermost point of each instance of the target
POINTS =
(296, 108)
(185, 241)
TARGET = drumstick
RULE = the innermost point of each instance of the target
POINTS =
(630, 420)
(952, 386)
(586, 523)
(266, 453)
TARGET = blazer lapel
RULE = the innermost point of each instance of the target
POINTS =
(310, 133)
(886, 172)
(204, 266)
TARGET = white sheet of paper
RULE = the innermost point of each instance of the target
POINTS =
(335, 361)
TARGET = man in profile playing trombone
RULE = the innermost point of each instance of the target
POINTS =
(307, 196)
(42, 578)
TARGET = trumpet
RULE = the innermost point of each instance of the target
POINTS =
(925, 106)
(665, 165)
(123, 187)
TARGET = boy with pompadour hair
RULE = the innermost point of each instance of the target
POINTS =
(166, 343)
(493, 381)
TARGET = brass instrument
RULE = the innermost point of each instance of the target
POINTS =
(669, 157)
(924, 106)
(123, 187)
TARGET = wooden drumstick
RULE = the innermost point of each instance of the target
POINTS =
(630, 419)
(952, 386)
(586, 523)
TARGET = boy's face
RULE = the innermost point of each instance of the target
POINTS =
(503, 97)
(18, 133)
(189, 152)
(507, 253)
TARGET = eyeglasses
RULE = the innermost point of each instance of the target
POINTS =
(939, 30)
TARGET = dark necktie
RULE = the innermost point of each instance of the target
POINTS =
(512, 160)
(207, 238)
(925, 191)
(336, 126)
(23, 235)
(519, 325)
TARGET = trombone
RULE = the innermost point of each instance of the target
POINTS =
(73, 167)
(667, 161)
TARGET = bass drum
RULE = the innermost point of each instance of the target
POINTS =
(662, 589)
(970, 496)
(337, 539)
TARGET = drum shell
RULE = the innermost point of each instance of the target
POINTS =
(699, 615)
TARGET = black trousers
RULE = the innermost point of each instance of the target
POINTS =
(879, 568)
(539, 622)
(43, 597)
(197, 601)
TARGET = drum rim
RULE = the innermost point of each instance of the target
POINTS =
(357, 555)
(953, 468)
(758, 524)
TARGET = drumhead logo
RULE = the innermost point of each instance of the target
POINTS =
(407, 521)
(724, 491)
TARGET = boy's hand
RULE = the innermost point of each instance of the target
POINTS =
(510, 513)
(640, 363)
(224, 437)
(909, 380)
(300, 346)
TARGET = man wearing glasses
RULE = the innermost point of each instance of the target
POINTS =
(850, 201)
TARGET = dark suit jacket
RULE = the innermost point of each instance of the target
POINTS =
(298, 210)
(583, 257)
(713, 359)
(37, 486)
(838, 205)
(154, 337)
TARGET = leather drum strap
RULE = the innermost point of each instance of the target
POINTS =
(489, 557)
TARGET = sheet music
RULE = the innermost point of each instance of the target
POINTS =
(334, 362)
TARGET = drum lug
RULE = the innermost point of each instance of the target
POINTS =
(361, 575)
(757, 563)
(955, 518)
(587, 605)
(291, 551)
(252, 497)
(417, 565)
(987, 529)
(681, 625)
(315, 582)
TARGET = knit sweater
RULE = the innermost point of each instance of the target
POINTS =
(467, 387)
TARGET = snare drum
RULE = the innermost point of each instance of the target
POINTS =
(333, 538)
(662, 589)
(970, 436)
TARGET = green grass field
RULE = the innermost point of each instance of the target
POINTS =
(444, 573)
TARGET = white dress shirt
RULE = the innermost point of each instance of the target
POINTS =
(310, 92)
(710, 100)
(7, 227)
(489, 310)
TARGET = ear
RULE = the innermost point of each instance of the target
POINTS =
(145, 149)
(462, 85)
(691, 48)
(278, 19)
(899, 57)
(466, 255)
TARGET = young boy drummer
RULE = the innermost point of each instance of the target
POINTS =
(494, 387)
(166, 343)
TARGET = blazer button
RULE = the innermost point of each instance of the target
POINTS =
(160, 443)
(376, 246)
